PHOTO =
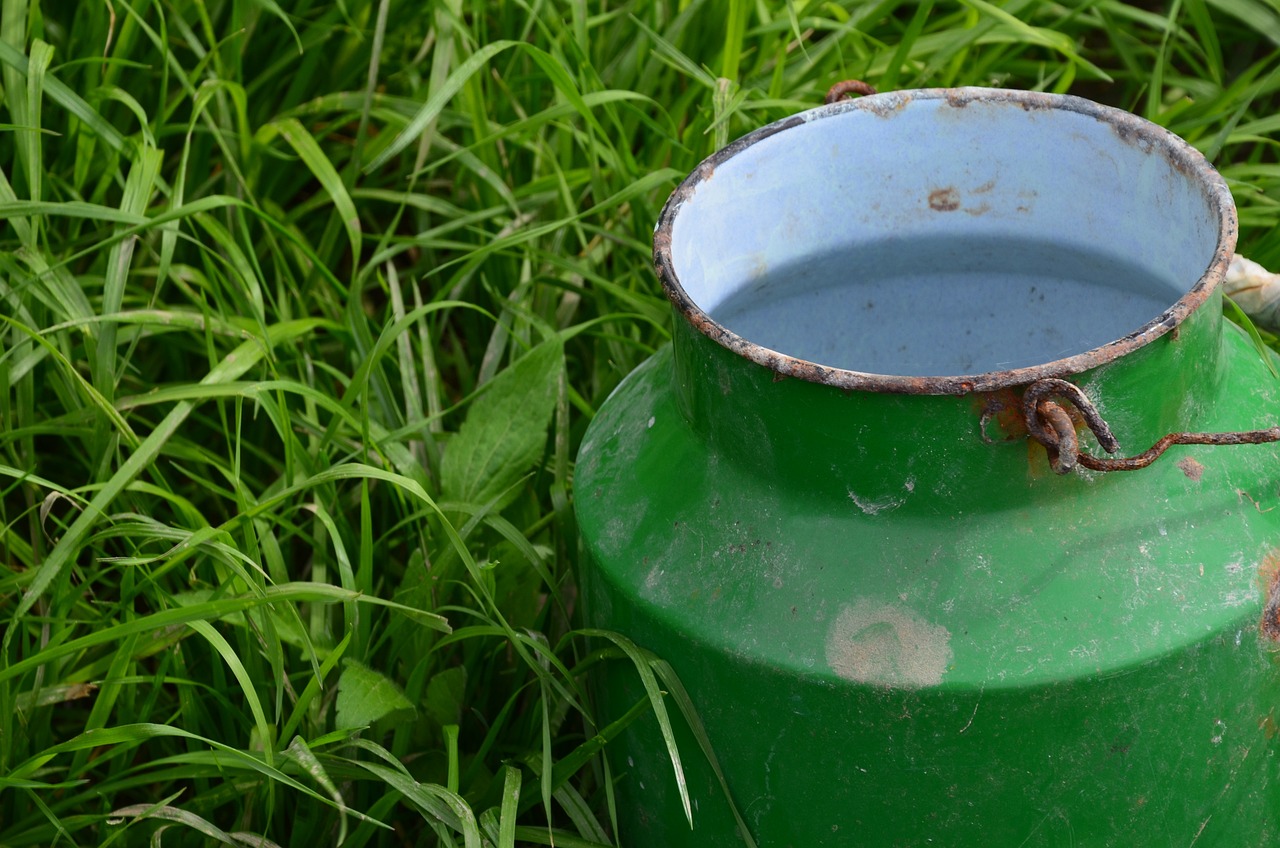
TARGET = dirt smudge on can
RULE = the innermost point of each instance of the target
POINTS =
(887, 645)
(1190, 467)
(1269, 580)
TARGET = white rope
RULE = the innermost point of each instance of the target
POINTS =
(1255, 290)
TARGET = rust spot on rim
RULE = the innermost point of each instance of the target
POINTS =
(1003, 407)
(889, 105)
(944, 200)
(1178, 153)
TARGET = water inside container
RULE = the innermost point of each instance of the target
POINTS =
(947, 306)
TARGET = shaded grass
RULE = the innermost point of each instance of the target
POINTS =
(305, 309)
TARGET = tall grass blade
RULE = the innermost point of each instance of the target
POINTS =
(309, 151)
(235, 364)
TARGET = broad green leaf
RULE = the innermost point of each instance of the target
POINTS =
(365, 695)
(445, 692)
(505, 430)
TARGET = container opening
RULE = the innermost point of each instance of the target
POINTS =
(947, 305)
(930, 234)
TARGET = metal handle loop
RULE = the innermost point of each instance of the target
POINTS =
(1066, 447)
(1043, 390)
(844, 90)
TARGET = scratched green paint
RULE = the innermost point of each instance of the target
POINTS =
(916, 634)
(889, 612)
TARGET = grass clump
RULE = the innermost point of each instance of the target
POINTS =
(303, 310)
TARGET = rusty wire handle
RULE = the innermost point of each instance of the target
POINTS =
(1151, 454)
(1051, 425)
(844, 91)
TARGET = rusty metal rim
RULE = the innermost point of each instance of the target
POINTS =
(1176, 151)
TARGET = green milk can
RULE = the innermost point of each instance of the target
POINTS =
(924, 503)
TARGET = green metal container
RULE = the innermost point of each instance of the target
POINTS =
(822, 505)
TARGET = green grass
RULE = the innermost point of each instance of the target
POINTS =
(304, 309)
